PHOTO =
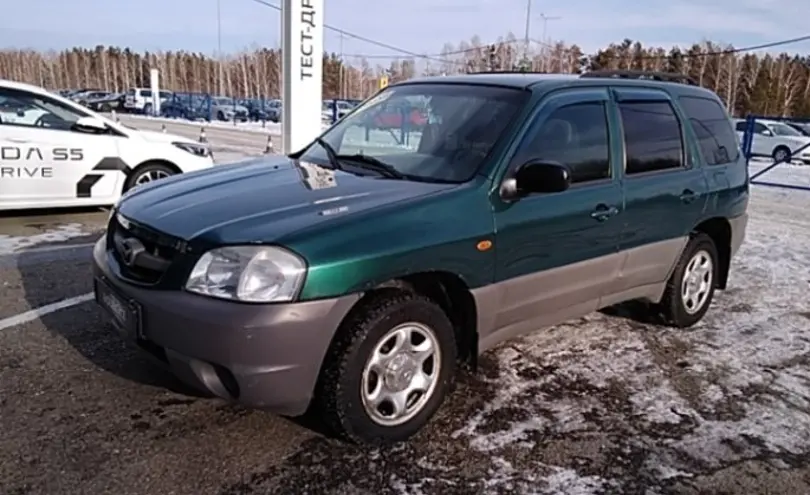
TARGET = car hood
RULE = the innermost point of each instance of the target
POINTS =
(262, 200)
(162, 137)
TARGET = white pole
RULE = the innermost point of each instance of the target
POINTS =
(302, 51)
(154, 83)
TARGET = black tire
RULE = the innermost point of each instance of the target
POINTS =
(783, 151)
(106, 108)
(338, 400)
(147, 168)
(673, 309)
(221, 116)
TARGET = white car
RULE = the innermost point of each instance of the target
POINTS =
(139, 100)
(55, 153)
(777, 140)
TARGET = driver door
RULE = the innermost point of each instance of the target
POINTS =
(45, 160)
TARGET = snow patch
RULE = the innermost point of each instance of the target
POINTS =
(12, 244)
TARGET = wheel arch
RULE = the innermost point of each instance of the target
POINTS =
(719, 230)
(449, 291)
(157, 161)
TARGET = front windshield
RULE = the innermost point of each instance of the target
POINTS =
(784, 130)
(440, 132)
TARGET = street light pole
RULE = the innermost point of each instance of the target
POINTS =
(545, 46)
(528, 27)
(545, 23)
(219, 44)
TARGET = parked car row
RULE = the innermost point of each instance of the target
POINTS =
(199, 106)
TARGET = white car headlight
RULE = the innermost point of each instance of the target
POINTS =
(249, 274)
(194, 148)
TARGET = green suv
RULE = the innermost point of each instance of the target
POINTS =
(354, 277)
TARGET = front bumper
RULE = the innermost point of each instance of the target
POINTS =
(265, 356)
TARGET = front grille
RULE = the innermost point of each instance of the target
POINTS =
(143, 254)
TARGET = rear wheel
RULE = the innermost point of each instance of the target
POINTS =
(690, 288)
(147, 173)
(388, 370)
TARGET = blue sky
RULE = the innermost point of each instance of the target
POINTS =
(422, 26)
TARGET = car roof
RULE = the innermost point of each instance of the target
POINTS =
(520, 80)
(541, 81)
(5, 83)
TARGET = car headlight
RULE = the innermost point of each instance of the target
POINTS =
(249, 274)
(194, 148)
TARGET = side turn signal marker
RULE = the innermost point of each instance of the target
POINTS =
(483, 245)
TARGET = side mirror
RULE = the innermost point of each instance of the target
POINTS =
(767, 132)
(537, 176)
(20, 112)
(90, 124)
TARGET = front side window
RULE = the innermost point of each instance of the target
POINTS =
(32, 110)
(435, 132)
(576, 136)
(652, 136)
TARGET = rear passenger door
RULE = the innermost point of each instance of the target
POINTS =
(664, 187)
(724, 164)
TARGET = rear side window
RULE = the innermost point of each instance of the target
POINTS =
(718, 143)
(741, 126)
(652, 136)
(146, 93)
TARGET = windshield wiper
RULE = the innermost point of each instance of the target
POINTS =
(371, 163)
(330, 153)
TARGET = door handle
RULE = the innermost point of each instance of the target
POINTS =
(18, 140)
(687, 196)
(603, 212)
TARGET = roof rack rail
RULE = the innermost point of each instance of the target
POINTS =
(642, 74)
(481, 72)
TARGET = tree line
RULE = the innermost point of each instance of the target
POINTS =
(770, 84)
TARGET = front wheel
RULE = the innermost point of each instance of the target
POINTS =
(388, 370)
(782, 154)
(690, 288)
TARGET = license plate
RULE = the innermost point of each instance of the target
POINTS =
(125, 314)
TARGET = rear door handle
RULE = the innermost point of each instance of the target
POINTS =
(603, 212)
(687, 196)
(18, 140)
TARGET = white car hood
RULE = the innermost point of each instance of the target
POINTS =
(161, 137)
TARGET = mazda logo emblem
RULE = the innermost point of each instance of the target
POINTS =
(130, 250)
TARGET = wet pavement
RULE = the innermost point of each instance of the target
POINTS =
(603, 404)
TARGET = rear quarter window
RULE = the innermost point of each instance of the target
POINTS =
(712, 127)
